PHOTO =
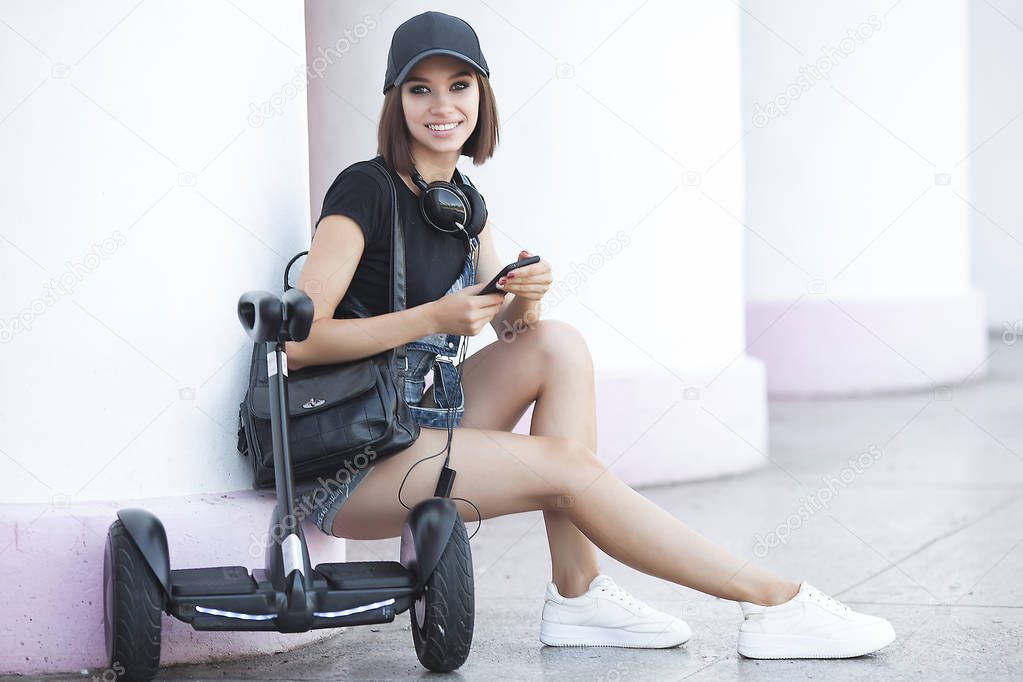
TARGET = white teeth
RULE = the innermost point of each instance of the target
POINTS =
(446, 126)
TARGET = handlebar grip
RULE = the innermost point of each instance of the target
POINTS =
(298, 314)
(260, 314)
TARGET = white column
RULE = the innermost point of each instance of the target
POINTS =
(996, 135)
(858, 250)
(143, 196)
(619, 145)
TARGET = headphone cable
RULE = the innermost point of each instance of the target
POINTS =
(447, 474)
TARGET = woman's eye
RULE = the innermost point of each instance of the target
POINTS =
(421, 89)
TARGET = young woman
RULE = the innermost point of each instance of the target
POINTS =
(439, 106)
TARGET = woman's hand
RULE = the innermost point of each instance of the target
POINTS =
(530, 281)
(465, 313)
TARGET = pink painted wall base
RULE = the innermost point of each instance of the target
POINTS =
(820, 347)
(51, 572)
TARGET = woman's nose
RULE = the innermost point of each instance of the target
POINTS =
(443, 102)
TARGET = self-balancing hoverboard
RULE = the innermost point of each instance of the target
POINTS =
(432, 579)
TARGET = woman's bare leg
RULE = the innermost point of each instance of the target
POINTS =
(550, 363)
(506, 473)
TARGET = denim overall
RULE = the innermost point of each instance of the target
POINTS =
(433, 351)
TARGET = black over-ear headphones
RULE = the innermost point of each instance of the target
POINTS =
(443, 204)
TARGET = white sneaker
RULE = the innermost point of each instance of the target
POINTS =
(810, 625)
(606, 615)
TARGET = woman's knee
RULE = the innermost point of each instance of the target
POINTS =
(562, 343)
(575, 468)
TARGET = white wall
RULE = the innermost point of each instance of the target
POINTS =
(858, 266)
(857, 148)
(625, 179)
(601, 148)
(137, 177)
(996, 139)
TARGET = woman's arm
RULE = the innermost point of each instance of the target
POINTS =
(518, 312)
(333, 257)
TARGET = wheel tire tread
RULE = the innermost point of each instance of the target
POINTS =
(138, 609)
(450, 605)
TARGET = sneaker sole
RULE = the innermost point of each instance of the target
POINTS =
(759, 645)
(558, 634)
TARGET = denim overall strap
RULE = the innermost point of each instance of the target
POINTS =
(435, 352)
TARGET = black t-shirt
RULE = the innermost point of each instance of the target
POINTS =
(433, 259)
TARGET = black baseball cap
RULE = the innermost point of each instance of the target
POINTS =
(428, 34)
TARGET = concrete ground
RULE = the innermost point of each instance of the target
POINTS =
(925, 530)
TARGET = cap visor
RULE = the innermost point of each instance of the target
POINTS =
(403, 74)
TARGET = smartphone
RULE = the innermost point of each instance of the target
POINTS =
(492, 287)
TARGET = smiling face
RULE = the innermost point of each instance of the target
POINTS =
(441, 100)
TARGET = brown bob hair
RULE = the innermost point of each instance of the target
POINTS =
(393, 136)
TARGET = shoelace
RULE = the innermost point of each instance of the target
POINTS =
(614, 591)
(829, 602)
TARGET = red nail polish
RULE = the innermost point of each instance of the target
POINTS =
(511, 275)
